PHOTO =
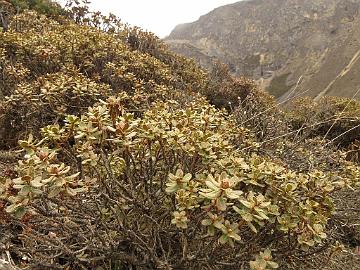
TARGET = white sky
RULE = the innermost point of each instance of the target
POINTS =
(158, 16)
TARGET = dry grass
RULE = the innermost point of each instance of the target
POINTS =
(346, 230)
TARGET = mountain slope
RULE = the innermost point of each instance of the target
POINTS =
(281, 43)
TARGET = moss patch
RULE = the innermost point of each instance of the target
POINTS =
(278, 85)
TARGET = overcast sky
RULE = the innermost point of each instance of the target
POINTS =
(158, 16)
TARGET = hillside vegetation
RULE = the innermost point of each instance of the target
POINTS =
(117, 153)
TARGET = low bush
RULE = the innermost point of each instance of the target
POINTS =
(332, 118)
(74, 66)
(170, 190)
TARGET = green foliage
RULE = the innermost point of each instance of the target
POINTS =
(73, 66)
(182, 168)
(278, 86)
(46, 7)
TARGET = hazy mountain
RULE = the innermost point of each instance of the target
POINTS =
(314, 44)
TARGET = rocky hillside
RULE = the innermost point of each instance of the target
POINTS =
(292, 47)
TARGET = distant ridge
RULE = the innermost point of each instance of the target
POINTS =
(277, 42)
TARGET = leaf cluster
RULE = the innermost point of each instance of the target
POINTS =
(135, 158)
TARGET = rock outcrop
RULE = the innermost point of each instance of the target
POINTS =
(291, 47)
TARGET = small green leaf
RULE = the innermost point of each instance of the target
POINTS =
(20, 212)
